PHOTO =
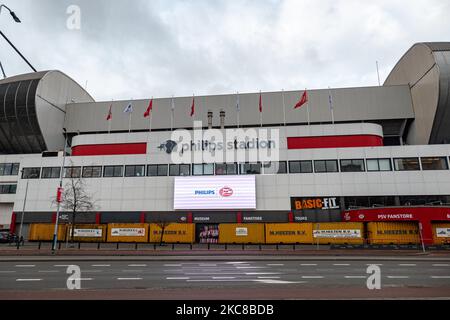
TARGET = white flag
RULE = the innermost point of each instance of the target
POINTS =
(173, 104)
(128, 109)
(238, 107)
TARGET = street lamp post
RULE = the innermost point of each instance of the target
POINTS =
(23, 213)
(12, 13)
(55, 233)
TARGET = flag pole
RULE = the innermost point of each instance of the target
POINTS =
(284, 108)
(129, 117)
(260, 110)
(110, 120)
(151, 117)
(172, 107)
(307, 108)
(330, 100)
(238, 109)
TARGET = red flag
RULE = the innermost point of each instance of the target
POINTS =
(303, 100)
(149, 109)
(193, 106)
(260, 102)
(109, 116)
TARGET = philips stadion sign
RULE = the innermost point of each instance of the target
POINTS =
(215, 192)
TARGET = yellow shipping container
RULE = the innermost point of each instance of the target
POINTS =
(393, 233)
(44, 232)
(128, 232)
(289, 233)
(173, 233)
(441, 233)
(338, 233)
(88, 232)
(241, 233)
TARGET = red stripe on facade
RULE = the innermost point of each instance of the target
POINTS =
(142, 217)
(109, 149)
(350, 141)
(291, 217)
(239, 217)
(12, 226)
(424, 215)
(98, 217)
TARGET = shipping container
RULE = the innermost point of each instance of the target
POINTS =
(441, 233)
(173, 233)
(289, 233)
(128, 232)
(393, 233)
(45, 231)
(241, 233)
(88, 232)
(338, 233)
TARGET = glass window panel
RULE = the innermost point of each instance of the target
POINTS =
(2, 169)
(8, 169)
(15, 169)
(208, 169)
(385, 164)
(108, 171)
(162, 170)
(72, 172)
(221, 168)
(306, 167)
(294, 166)
(185, 169)
(406, 164)
(13, 188)
(232, 169)
(332, 166)
(434, 163)
(174, 170)
(118, 171)
(197, 169)
(353, 165)
(152, 170)
(320, 166)
(372, 165)
(31, 173)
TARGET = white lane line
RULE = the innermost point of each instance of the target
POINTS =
(308, 264)
(129, 278)
(177, 278)
(137, 265)
(261, 273)
(172, 265)
(25, 265)
(224, 277)
(440, 277)
(275, 264)
(101, 265)
(270, 281)
(236, 262)
(374, 264)
(48, 271)
(341, 264)
(211, 273)
(84, 279)
(92, 271)
(268, 277)
(398, 277)
(208, 265)
(62, 265)
(7, 271)
(407, 264)
(250, 267)
(441, 265)
(28, 279)
(312, 277)
(355, 277)
(220, 280)
(133, 271)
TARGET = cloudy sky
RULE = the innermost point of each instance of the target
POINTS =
(142, 48)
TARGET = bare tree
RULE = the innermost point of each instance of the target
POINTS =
(75, 198)
(163, 225)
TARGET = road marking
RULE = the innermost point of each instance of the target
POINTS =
(312, 277)
(28, 279)
(261, 273)
(224, 277)
(92, 271)
(48, 271)
(441, 265)
(62, 265)
(236, 262)
(440, 277)
(407, 264)
(25, 265)
(374, 264)
(355, 277)
(101, 265)
(177, 278)
(308, 264)
(221, 280)
(397, 277)
(133, 271)
(269, 277)
(207, 265)
(172, 265)
(250, 267)
(211, 273)
(341, 264)
(272, 281)
(129, 278)
(137, 265)
(275, 264)
(7, 271)
(84, 279)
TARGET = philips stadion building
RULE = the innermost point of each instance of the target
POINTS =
(368, 154)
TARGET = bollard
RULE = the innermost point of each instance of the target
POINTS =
(39, 245)
(79, 245)
(59, 245)
(226, 247)
(294, 246)
(154, 246)
(135, 246)
(191, 246)
(209, 246)
(98, 246)
(260, 248)
(243, 248)
(117, 246)
(277, 246)
(173, 246)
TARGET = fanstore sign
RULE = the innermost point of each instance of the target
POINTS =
(326, 203)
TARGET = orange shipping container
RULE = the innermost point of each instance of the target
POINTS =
(44, 232)
(393, 233)
(441, 233)
(128, 232)
(241, 233)
(338, 233)
(173, 233)
(289, 233)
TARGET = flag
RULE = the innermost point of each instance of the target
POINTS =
(173, 104)
(149, 109)
(330, 101)
(109, 116)
(260, 103)
(238, 107)
(302, 101)
(128, 108)
(193, 106)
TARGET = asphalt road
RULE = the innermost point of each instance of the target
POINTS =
(232, 279)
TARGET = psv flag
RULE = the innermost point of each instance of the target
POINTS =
(193, 106)
(260, 103)
(149, 109)
(303, 100)
(109, 116)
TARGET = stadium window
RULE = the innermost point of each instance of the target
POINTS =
(9, 169)
(205, 169)
(92, 172)
(379, 165)
(434, 163)
(113, 171)
(51, 173)
(321, 166)
(300, 166)
(157, 170)
(8, 188)
(179, 170)
(275, 167)
(31, 173)
(72, 172)
(251, 168)
(226, 169)
(406, 164)
(135, 171)
(352, 165)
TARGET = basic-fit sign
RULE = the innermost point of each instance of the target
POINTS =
(216, 192)
(326, 203)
